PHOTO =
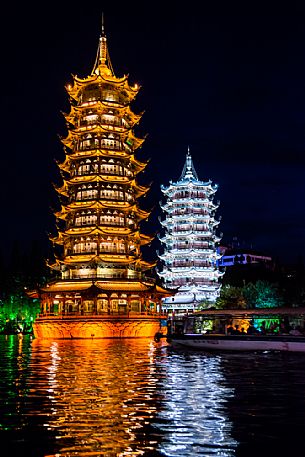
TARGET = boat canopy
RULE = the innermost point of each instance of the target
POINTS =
(245, 313)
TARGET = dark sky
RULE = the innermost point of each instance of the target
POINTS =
(227, 80)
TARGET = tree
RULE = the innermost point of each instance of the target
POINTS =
(261, 294)
(17, 313)
(267, 295)
(231, 297)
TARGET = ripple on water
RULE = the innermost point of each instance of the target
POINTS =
(136, 397)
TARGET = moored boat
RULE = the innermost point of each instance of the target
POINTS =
(263, 329)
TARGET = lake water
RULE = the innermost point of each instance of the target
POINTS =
(120, 398)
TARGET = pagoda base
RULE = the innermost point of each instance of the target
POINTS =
(97, 327)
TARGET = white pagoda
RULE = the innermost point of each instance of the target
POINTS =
(190, 257)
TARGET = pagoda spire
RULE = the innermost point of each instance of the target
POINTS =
(188, 171)
(102, 62)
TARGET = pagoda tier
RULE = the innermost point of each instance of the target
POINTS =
(97, 247)
(190, 257)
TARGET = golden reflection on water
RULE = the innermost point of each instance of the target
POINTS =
(102, 393)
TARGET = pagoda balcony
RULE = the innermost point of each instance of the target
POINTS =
(93, 251)
(190, 264)
(188, 202)
(102, 199)
(111, 128)
(182, 250)
(195, 228)
(183, 247)
(182, 214)
(183, 219)
(95, 146)
(195, 271)
(97, 172)
(186, 195)
(112, 224)
(197, 221)
(115, 122)
(189, 231)
(182, 253)
(98, 99)
(183, 283)
(136, 276)
(182, 225)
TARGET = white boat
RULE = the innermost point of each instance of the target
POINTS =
(265, 329)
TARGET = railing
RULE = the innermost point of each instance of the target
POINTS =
(97, 172)
(191, 264)
(103, 316)
(118, 277)
(101, 251)
(106, 223)
(190, 246)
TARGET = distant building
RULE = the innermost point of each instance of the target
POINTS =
(189, 261)
(243, 258)
(243, 265)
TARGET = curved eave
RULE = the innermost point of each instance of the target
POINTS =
(76, 155)
(102, 128)
(126, 134)
(63, 190)
(62, 214)
(145, 239)
(174, 186)
(79, 82)
(99, 178)
(107, 258)
(146, 265)
(123, 206)
(100, 230)
(58, 239)
(128, 286)
(121, 83)
(55, 265)
(95, 204)
(135, 141)
(140, 190)
(164, 292)
(65, 166)
(101, 107)
(67, 286)
(139, 166)
(141, 213)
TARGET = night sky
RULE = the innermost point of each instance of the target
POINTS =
(225, 80)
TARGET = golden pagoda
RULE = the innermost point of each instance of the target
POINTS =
(105, 289)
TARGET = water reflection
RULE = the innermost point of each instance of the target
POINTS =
(194, 417)
(111, 398)
(102, 394)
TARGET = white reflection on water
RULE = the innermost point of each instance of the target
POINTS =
(193, 416)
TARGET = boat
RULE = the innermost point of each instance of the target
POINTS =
(260, 329)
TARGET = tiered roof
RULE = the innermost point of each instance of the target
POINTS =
(190, 254)
(102, 77)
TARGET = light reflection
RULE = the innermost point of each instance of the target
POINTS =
(193, 417)
(99, 395)
(118, 398)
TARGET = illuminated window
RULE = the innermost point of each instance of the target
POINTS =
(110, 96)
